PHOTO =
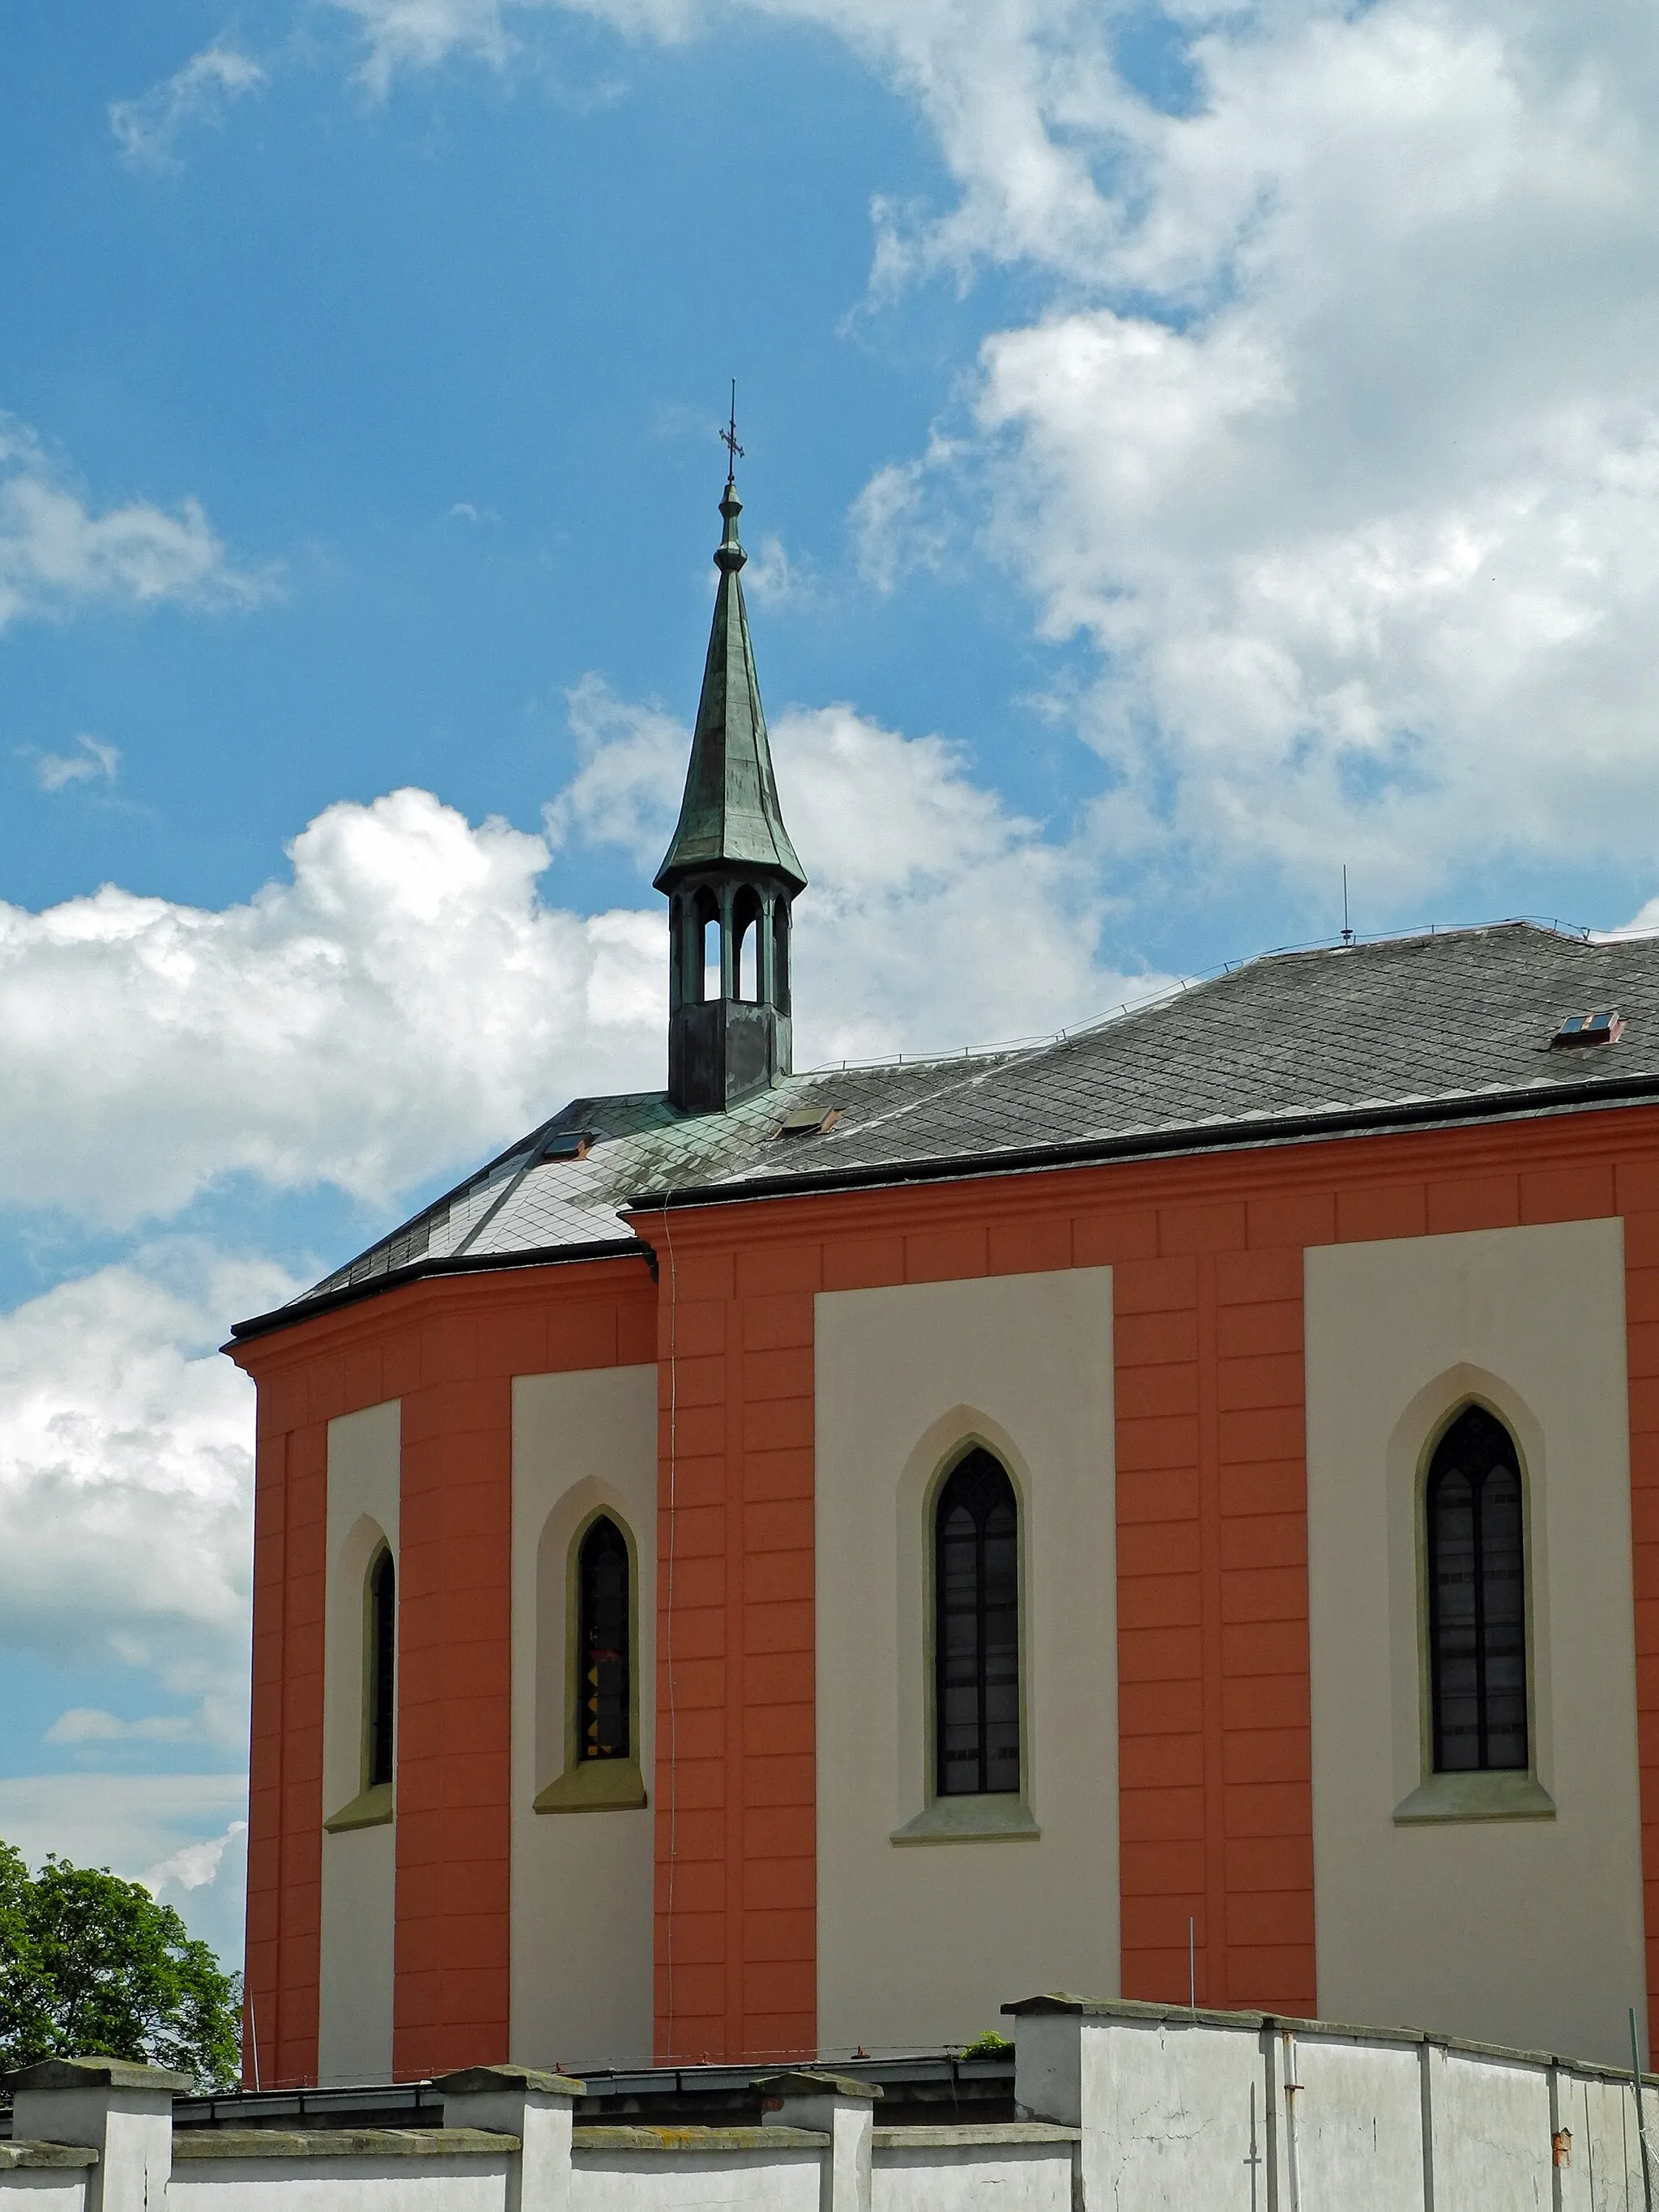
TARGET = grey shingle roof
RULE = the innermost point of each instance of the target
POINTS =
(1419, 1029)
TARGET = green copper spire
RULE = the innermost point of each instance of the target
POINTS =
(729, 816)
(730, 873)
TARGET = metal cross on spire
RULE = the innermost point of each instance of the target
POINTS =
(729, 438)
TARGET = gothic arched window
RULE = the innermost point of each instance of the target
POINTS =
(603, 1575)
(976, 1630)
(1477, 1597)
(381, 1670)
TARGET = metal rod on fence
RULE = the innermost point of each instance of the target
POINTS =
(1641, 2116)
(1192, 1964)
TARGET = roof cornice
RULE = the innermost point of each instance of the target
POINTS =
(1259, 1132)
(417, 1271)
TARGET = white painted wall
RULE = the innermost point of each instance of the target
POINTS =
(678, 2180)
(1488, 2117)
(1527, 1932)
(581, 1881)
(354, 2040)
(1016, 2178)
(363, 2184)
(1174, 2113)
(921, 1944)
(1345, 2085)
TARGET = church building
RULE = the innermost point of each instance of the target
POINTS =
(792, 1562)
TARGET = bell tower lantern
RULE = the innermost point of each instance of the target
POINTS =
(730, 873)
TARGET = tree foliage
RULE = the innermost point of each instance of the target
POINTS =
(91, 1965)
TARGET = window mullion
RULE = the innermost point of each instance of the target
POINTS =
(981, 1686)
(1478, 1531)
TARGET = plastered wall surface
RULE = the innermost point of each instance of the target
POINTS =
(339, 2184)
(1523, 1932)
(784, 2181)
(359, 1865)
(1034, 2179)
(581, 1902)
(905, 1377)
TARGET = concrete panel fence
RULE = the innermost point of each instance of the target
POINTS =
(1124, 2108)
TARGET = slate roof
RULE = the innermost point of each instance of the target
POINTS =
(1450, 1026)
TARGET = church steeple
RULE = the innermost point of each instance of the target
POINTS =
(729, 872)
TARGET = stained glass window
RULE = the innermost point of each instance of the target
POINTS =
(976, 1630)
(602, 1577)
(1477, 1598)
(382, 1666)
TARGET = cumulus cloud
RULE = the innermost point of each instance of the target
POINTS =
(146, 129)
(1361, 503)
(935, 917)
(1336, 439)
(57, 553)
(192, 1865)
(183, 1836)
(91, 1724)
(218, 1719)
(126, 1483)
(402, 1000)
(407, 999)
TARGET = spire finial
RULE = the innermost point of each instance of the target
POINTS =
(729, 438)
(729, 556)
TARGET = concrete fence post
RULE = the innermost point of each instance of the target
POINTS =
(1431, 2069)
(538, 2108)
(1058, 2057)
(835, 2106)
(123, 2111)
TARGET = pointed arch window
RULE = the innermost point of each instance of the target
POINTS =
(747, 919)
(1476, 1553)
(380, 1687)
(604, 1632)
(589, 1673)
(976, 1630)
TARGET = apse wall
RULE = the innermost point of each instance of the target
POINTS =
(979, 1893)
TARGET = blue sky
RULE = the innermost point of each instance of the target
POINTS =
(1188, 448)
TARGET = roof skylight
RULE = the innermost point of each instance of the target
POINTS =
(1605, 1027)
(808, 1121)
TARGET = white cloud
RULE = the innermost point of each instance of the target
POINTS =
(775, 578)
(147, 128)
(407, 1000)
(192, 1865)
(935, 917)
(55, 553)
(90, 1724)
(403, 1001)
(1337, 439)
(128, 1822)
(97, 759)
(126, 1484)
(183, 1836)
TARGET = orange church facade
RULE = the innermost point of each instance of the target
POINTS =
(1208, 1260)
(1299, 1708)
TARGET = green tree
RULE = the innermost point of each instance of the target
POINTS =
(91, 1965)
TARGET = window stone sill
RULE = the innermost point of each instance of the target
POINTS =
(1002, 1818)
(371, 1808)
(1501, 1796)
(596, 1785)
